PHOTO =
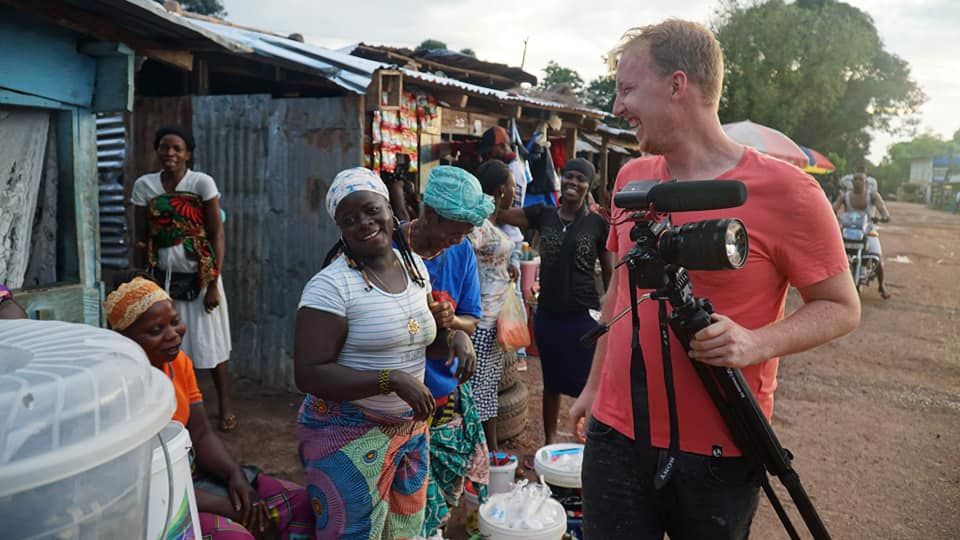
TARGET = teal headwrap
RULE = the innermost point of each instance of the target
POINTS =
(456, 195)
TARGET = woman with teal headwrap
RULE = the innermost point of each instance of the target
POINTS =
(454, 203)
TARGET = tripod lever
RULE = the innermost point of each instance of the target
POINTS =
(593, 335)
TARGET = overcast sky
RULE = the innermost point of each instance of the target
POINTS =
(578, 34)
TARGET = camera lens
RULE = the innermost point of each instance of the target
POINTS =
(716, 244)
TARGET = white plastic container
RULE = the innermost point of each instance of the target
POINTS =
(501, 476)
(78, 407)
(471, 504)
(496, 531)
(560, 464)
(184, 521)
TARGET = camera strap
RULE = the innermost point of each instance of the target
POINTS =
(638, 374)
(668, 458)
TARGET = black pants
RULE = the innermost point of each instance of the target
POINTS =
(706, 497)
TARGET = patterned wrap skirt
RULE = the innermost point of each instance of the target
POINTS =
(366, 472)
(458, 452)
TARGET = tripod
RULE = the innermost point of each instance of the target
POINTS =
(726, 386)
(738, 407)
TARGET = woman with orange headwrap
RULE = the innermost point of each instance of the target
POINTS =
(142, 311)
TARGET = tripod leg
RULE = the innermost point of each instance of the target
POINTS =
(778, 507)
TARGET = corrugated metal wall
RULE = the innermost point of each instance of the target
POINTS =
(272, 161)
(231, 134)
(111, 152)
(310, 141)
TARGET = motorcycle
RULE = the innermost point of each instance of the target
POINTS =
(856, 229)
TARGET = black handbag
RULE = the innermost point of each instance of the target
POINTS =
(183, 285)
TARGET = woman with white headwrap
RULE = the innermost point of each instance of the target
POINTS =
(362, 333)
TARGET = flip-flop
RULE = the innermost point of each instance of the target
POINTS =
(229, 423)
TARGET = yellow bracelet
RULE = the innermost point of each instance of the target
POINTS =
(383, 380)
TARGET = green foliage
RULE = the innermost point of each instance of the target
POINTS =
(213, 8)
(816, 70)
(469, 52)
(600, 93)
(557, 74)
(895, 167)
(428, 45)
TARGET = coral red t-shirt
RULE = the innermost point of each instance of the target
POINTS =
(794, 240)
(181, 373)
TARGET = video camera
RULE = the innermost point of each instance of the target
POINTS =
(716, 244)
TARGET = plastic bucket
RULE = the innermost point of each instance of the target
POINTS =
(471, 504)
(501, 476)
(560, 466)
(79, 407)
(497, 531)
(184, 521)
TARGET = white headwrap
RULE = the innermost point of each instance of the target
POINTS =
(350, 181)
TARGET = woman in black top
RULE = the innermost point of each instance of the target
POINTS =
(571, 240)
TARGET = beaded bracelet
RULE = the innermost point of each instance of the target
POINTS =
(383, 380)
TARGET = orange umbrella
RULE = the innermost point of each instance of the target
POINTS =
(767, 140)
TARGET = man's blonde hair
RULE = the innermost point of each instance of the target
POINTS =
(678, 45)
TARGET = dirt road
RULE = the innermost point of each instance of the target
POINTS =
(873, 418)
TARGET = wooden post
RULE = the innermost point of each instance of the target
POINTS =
(604, 171)
(571, 134)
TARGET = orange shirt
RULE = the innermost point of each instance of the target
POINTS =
(794, 240)
(185, 386)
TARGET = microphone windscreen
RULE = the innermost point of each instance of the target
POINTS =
(691, 196)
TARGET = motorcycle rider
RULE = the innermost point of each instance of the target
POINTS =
(860, 199)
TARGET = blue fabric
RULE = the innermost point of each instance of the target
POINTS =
(454, 277)
(533, 199)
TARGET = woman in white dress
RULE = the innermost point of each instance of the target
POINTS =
(179, 238)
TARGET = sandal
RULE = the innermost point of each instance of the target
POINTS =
(229, 423)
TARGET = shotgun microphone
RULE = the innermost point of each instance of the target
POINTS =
(687, 196)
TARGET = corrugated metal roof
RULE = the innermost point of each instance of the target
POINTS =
(348, 72)
(501, 95)
(151, 20)
(470, 68)
(355, 74)
(610, 130)
(598, 144)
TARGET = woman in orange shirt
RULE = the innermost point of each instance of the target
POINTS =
(142, 311)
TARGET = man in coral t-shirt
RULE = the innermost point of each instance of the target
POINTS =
(668, 88)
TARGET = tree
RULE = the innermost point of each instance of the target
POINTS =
(428, 45)
(600, 93)
(816, 70)
(557, 74)
(469, 52)
(213, 8)
(894, 169)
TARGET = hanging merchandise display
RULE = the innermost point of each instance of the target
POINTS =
(395, 131)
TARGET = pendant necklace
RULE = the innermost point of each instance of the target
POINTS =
(413, 325)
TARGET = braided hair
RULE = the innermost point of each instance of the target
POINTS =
(406, 255)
